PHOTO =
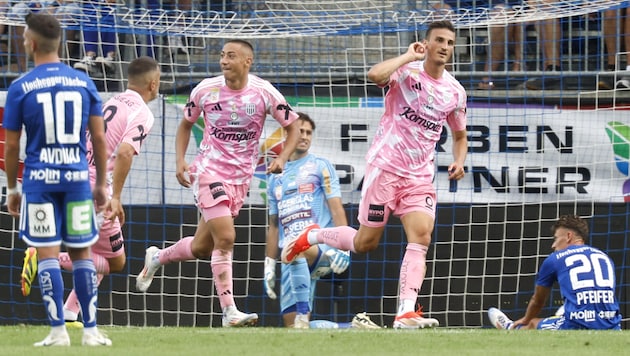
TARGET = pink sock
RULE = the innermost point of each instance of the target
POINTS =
(72, 303)
(181, 251)
(341, 237)
(412, 271)
(65, 262)
(221, 264)
(100, 263)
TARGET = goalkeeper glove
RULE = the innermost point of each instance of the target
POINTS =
(270, 277)
(339, 260)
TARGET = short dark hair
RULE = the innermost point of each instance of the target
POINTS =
(242, 42)
(141, 66)
(45, 25)
(574, 223)
(305, 117)
(438, 25)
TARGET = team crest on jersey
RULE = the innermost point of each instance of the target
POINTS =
(250, 109)
(214, 95)
(278, 192)
(414, 73)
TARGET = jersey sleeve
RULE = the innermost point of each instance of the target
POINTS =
(330, 180)
(11, 119)
(192, 109)
(96, 103)
(278, 107)
(138, 129)
(457, 119)
(393, 78)
(547, 274)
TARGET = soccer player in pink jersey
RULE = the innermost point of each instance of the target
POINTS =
(421, 99)
(128, 121)
(234, 107)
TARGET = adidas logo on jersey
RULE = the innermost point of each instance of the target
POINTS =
(217, 107)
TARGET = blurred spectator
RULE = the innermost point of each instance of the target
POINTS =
(613, 20)
(99, 32)
(18, 11)
(616, 27)
(177, 43)
(501, 38)
(550, 34)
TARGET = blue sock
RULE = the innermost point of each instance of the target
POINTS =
(51, 286)
(84, 275)
(301, 284)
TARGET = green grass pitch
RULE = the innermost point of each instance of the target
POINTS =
(153, 341)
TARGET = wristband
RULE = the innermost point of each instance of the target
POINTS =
(13, 191)
(270, 262)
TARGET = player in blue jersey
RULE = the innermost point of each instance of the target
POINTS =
(586, 277)
(56, 105)
(306, 192)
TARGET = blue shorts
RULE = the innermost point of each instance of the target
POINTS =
(52, 218)
(560, 323)
(551, 323)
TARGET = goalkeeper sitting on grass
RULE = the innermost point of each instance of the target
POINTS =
(306, 192)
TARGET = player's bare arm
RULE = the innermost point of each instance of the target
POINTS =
(122, 166)
(181, 144)
(99, 147)
(460, 150)
(338, 213)
(271, 247)
(380, 73)
(535, 305)
(11, 157)
(290, 143)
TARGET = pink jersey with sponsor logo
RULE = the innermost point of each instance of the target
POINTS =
(127, 119)
(416, 108)
(234, 121)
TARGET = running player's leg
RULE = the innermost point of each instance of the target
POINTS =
(300, 287)
(416, 206)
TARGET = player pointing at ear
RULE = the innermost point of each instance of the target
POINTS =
(422, 98)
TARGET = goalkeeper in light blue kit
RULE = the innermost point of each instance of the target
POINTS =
(306, 192)
(586, 277)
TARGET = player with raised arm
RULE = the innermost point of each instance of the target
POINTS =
(234, 108)
(422, 97)
(586, 277)
(306, 192)
(56, 105)
(128, 122)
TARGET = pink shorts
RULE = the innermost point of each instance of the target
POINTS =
(110, 241)
(217, 199)
(384, 193)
